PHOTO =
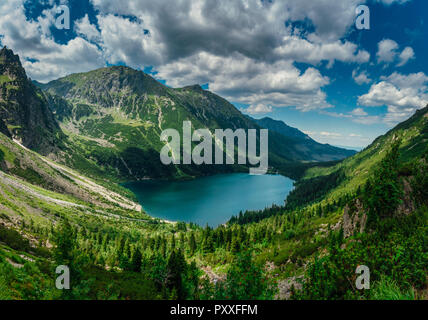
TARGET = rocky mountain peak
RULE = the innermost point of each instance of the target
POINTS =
(24, 113)
(10, 65)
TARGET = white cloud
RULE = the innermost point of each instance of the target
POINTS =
(330, 134)
(361, 78)
(302, 50)
(84, 28)
(258, 109)
(241, 48)
(358, 115)
(387, 50)
(248, 81)
(335, 114)
(126, 41)
(236, 22)
(402, 94)
(405, 56)
(356, 140)
(388, 2)
(359, 112)
(254, 29)
(32, 39)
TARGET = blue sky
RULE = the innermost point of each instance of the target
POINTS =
(301, 61)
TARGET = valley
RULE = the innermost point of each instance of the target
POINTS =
(67, 147)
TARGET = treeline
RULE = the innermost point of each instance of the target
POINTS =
(320, 209)
(307, 191)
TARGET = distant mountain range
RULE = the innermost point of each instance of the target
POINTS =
(108, 122)
(305, 144)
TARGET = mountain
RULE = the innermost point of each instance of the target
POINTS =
(280, 127)
(46, 208)
(334, 221)
(303, 143)
(24, 112)
(107, 123)
(114, 117)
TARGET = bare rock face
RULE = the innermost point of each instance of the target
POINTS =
(407, 206)
(286, 287)
(24, 112)
(354, 220)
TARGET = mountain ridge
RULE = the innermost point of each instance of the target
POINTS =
(323, 152)
(130, 103)
(24, 113)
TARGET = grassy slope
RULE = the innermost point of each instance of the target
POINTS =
(414, 139)
(33, 187)
(35, 195)
(290, 240)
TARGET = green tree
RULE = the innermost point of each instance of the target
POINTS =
(136, 260)
(176, 268)
(192, 244)
(65, 243)
(383, 191)
(66, 253)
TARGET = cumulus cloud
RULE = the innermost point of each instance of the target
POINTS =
(388, 52)
(361, 77)
(242, 25)
(258, 109)
(84, 28)
(358, 112)
(405, 56)
(402, 94)
(302, 50)
(42, 57)
(127, 41)
(248, 81)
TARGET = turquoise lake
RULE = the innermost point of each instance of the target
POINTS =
(210, 200)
